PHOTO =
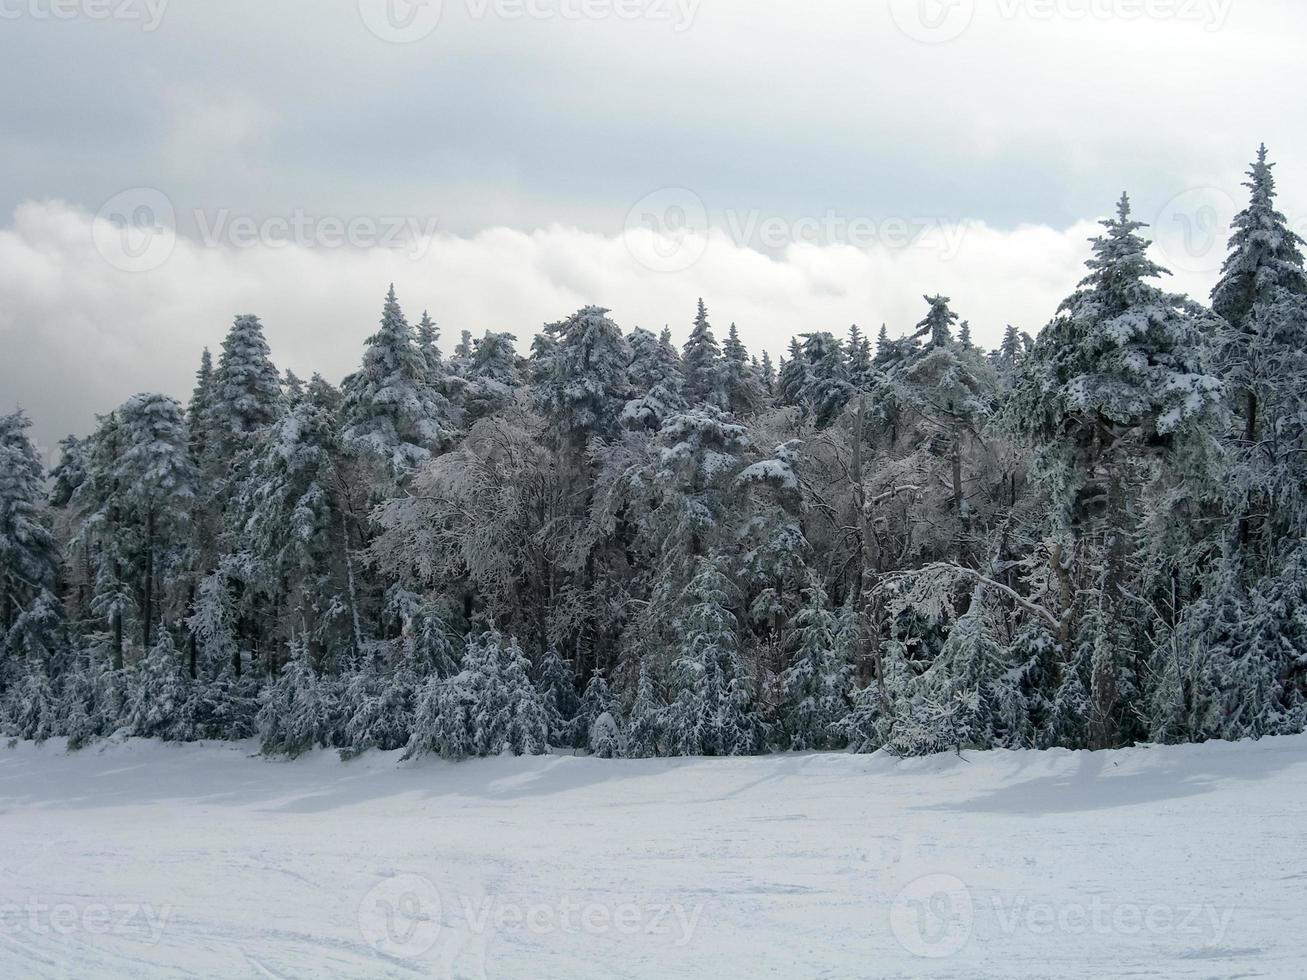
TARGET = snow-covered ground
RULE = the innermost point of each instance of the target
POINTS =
(142, 860)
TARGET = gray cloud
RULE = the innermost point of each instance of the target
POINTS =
(1025, 125)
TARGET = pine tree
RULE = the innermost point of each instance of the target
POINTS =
(1010, 354)
(1116, 377)
(296, 709)
(767, 373)
(740, 387)
(859, 359)
(70, 472)
(818, 680)
(492, 376)
(656, 382)
(391, 414)
(585, 388)
(599, 700)
(793, 384)
(28, 553)
(156, 479)
(159, 699)
(557, 687)
(645, 735)
(711, 713)
(937, 327)
(246, 391)
(705, 382)
(827, 389)
(291, 520)
(428, 341)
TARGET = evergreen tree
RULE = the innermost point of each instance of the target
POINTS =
(656, 382)
(585, 387)
(705, 382)
(159, 700)
(246, 392)
(296, 710)
(711, 713)
(795, 379)
(818, 679)
(827, 389)
(937, 327)
(741, 388)
(767, 374)
(428, 341)
(557, 687)
(644, 735)
(1115, 378)
(28, 553)
(859, 359)
(70, 472)
(391, 414)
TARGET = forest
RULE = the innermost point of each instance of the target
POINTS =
(1089, 538)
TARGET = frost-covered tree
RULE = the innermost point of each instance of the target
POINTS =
(817, 681)
(391, 414)
(159, 697)
(767, 375)
(295, 713)
(199, 410)
(1114, 383)
(858, 352)
(492, 376)
(428, 341)
(711, 711)
(645, 724)
(489, 708)
(937, 327)
(28, 552)
(135, 509)
(598, 701)
(292, 520)
(743, 394)
(774, 553)
(793, 381)
(584, 387)
(705, 381)
(657, 386)
(557, 687)
(246, 391)
(826, 388)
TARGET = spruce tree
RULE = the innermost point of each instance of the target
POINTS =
(391, 415)
(712, 711)
(28, 553)
(705, 382)
(818, 679)
(1115, 379)
(246, 391)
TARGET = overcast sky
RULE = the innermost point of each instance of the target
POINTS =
(802, 166)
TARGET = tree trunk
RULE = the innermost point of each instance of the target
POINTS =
(147, 619)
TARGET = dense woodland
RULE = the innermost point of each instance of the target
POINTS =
(605, 543)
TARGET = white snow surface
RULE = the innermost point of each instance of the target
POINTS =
(141, 860)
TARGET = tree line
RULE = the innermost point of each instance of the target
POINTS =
(1086, 539)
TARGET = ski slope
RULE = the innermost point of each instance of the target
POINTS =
(140, 860)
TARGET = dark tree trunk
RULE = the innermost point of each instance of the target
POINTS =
(147, 619)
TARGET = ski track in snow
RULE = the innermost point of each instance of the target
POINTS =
(1149, 862)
